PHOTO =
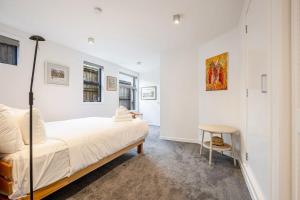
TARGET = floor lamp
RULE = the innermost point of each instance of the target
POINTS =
(36, 38)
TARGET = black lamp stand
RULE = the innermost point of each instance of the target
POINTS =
(37, 39)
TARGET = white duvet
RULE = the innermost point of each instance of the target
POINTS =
(91, 139)
(70, 146)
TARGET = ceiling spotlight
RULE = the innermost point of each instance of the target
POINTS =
(98, 10)
(176, 18)
(91, 40)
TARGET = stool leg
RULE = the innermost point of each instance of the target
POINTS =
(210, 149)
(202, 142)
(233, 149)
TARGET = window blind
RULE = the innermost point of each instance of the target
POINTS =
(92, 65)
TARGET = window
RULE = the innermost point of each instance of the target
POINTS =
(8, 50)
(128, 91)
(92, 76)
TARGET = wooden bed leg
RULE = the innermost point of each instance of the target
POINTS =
(140, 149)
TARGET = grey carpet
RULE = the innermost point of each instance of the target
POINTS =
(167, 171)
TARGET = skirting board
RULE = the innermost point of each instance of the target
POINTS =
(194, 141)
(179, 139)
(153, 124)
(251, 182)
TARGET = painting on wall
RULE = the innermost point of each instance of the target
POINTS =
(216, 72)
(111, 83)
(149, 93)
(56, 74)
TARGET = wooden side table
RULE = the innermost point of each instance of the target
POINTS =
(218, 129)
(136, 114)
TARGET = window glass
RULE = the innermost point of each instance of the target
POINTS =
(91, 84)
(8, 50)
(128, 91)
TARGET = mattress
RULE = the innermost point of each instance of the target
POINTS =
(71, 146)
(50, 163)
(91, 139)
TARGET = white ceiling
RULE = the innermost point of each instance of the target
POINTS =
(126, 31)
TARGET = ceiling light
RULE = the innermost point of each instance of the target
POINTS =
(176, 18)
(98, 9)
(91, 40)
(139, 63)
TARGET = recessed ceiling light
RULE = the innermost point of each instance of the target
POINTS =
(98, 9)
(176, 19)
(91, 40)
(139, 63)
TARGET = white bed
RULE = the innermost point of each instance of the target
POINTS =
(51, 163)
(72, 145)
(91, 139)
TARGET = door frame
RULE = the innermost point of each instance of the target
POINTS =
(281, 100)
(295, 39)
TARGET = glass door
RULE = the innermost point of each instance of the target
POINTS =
(128, 91)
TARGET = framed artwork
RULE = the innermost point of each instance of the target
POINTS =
(111, 83)
(216, 72)
(149, 93)
(56, 74)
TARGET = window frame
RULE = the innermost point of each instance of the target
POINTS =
(11, 41)
(100, 82)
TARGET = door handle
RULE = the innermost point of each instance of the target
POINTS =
(263, 81)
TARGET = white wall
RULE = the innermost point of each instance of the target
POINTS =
(224, 106)
(55, 102)
(179, 94)
(221, 107)
(150, 108)
(184, 102)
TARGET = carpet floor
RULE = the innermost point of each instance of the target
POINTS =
(167, 171)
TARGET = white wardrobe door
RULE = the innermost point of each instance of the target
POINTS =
(258, 105)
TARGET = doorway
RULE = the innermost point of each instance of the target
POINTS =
(128, 91)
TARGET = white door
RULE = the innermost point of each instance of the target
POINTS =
(296, 97)
(258, 136)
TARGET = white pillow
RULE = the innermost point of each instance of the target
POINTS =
(38, 125)
(10, 134)
(18, 115)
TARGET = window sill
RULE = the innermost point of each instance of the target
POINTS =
(9, 65)
(92, 103)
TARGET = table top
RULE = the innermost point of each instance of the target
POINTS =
(136, 113)
(213, 128)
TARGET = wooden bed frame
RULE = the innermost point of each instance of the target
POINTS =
(6, 180)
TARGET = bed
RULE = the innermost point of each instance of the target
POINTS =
(73, 149)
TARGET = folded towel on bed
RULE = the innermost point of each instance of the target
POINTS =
(122, 115)
(115, 119)
(120, 112)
